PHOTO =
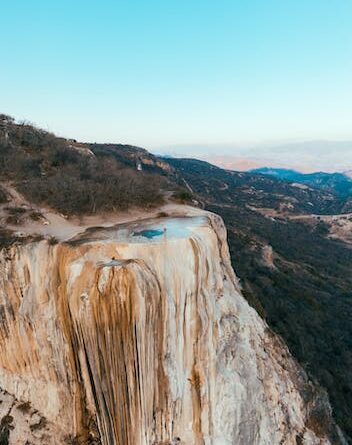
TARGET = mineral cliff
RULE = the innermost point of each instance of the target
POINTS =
(138, 334)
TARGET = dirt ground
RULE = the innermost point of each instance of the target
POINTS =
(48, 223)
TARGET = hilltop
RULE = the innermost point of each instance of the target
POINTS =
(338, 183)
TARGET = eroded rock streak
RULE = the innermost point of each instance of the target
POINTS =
(143, 341)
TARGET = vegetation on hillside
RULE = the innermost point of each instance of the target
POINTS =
(305, 290)
(74, 179)
(337, 183)
(260, 191)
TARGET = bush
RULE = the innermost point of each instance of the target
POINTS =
(183, 195)
(7, 237)
(52, 240)
(3, 196)
(49, 171)
(35, 216)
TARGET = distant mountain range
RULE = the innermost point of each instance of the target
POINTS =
(338, 183)
(303, 156)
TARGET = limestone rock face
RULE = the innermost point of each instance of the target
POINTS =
(138, 335)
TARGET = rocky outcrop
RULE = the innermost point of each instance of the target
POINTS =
(138, 335)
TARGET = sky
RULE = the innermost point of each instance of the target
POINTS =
(162, 73)
(307, 156)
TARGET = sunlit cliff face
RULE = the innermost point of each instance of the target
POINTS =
(138, 335)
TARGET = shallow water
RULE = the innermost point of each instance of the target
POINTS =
(148, 233)
(168, 229)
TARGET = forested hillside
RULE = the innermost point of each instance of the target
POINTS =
(76, 178)
(296, 277)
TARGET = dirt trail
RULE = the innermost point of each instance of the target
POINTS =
(53, 224)
(340, 225)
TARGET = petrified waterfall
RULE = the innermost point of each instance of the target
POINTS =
(138, 335)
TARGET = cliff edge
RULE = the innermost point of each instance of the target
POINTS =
(137, 334)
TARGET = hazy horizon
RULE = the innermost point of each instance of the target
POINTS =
(303, 156)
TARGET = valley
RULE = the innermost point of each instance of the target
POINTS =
(306, 296)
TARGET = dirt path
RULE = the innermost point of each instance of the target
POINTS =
(340, 225)
(52, 224)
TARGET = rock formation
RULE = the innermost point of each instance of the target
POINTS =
(138, 334)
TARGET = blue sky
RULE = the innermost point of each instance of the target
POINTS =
(160, 73)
